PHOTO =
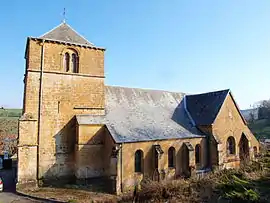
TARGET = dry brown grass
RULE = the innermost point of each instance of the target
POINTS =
(211, 188)
(69, 195)
(247, 184)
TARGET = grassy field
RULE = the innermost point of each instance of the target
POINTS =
(10, 113)
(261, 128)
(250, 184)
(9, 120)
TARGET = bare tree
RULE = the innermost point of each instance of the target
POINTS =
(264, 109)
(251, 117)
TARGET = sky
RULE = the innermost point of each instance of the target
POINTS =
(176, 45)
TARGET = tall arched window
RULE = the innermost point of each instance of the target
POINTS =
(197, 154)
(171, 157)
(66, 61)
(75, 68)
(231, 146)
(139, 161)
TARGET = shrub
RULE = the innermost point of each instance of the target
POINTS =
(229, 185)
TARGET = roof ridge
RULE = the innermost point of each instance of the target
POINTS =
(199, 94)
(78, 34)
(65, 33)
(51, 30)
(149, 89)
(144, 89)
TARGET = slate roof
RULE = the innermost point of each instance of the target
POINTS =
(65, 33)
(204, 108)
(134, 115)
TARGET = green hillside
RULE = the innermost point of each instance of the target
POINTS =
(10, 112)
(9, 120)
(261, 128)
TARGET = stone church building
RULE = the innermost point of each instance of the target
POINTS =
(74, 127)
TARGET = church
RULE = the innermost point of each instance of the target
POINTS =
(74, 127)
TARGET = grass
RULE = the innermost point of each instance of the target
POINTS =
(68, 195)
(9, 120)
(250, 184)
(247, 184)
(261, 128)
(10, 112)
(9, 125)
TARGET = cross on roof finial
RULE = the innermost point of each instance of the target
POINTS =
(64, 16)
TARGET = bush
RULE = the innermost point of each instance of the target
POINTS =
(249, 183)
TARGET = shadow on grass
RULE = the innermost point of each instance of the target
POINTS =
(98, 185)
(262, 186)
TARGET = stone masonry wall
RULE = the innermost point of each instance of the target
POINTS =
(27, 161)
(63, 96)
(93, 151)
(91, 61)
(89, 151)
(27, 151)
(130, 177)
(93, 156)
(229, 123)
(211, 143)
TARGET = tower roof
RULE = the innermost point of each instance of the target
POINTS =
(65, 33)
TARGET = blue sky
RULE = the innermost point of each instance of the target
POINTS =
(177, 45)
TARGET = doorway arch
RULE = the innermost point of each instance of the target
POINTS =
(185, 161)
(243, 148)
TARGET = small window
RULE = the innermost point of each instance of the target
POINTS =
(171, 157)
(138, 161)
(255, 151)
(66, 61)
(75, 63)
(198, 154)
(231, 146)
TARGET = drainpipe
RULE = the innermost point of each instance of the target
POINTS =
(39, 104)
(121, 169)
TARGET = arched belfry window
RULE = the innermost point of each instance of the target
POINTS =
(66, 62)
(71, 61)
(75, 63)
(197, 154)
(139, 161)
(231, 146)
(171, 157)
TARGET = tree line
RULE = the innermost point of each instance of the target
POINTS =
(263, 111)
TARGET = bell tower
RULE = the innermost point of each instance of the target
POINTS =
(64, 76)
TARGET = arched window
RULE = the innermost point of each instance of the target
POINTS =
(138, 161)
(198, 154)
(75, 68)
(66, 61)
(231, 146)
(171, 157)
(71, 61)
(255, 151)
